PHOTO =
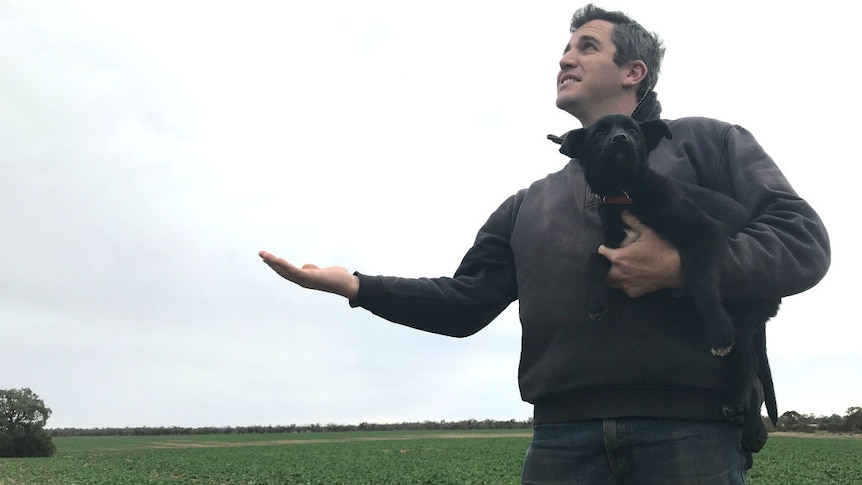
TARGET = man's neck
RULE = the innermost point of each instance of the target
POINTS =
(624, 104)
(626, 107)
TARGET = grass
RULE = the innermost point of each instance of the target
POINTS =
(360, 458)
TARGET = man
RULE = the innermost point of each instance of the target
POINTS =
(635, 398)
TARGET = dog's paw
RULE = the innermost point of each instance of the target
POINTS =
(732, 410)
(596, 313)
(722, 351)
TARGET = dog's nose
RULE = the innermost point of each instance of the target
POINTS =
(619, 138)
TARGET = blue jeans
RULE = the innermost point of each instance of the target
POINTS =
(636, 451)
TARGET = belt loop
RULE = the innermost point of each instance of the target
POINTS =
(618, 463)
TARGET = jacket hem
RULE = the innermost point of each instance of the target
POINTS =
(642, 402)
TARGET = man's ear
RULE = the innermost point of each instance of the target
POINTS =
(654, 131)
(635, 72)
(574, 145)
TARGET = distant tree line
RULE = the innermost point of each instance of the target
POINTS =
(465, 425)
(789, 421)
(808, 423)
(23, 416)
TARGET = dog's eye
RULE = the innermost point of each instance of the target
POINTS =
(633, 131)
(600, 132)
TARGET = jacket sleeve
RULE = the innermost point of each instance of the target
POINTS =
(482, 287)
(785, 248)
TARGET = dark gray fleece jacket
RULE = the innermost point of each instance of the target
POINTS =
(648, 357)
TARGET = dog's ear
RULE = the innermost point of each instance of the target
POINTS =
(574, 144)
(654, 131)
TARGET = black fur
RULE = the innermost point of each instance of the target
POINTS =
(698, 222)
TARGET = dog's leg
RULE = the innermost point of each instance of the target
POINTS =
(750, 317)
(759, 386)
(701, 279)
(614, 233)
(742, 366)
(765, 311)
(702, 242)
(597, 286)
(754, 433)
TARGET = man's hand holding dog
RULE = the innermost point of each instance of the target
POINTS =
(648, 264)
(333, 279)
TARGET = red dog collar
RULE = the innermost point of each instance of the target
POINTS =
(622, 199)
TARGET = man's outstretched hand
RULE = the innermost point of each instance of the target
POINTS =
(333, 279)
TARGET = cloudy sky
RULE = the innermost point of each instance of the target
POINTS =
(148, 150)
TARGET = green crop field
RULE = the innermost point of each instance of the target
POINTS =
(821, 460)
(360, 458)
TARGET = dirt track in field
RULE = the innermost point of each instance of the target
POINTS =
(465, 435)
(232, 444)
(832, 436)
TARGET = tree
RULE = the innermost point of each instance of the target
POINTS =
(853, 420)
(22, 424)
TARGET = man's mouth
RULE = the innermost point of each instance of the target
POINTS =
(568, 78)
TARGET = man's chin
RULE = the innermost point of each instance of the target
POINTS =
(567, 104)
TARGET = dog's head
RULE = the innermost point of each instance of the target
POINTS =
(613, 151)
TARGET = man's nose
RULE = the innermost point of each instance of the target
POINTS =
(568, 61)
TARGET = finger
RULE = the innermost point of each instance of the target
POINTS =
(270, 258)
(274, 260)
(605, 251)
(279, 265)
(631, 220)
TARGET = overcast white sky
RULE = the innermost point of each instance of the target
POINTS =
(148, 150)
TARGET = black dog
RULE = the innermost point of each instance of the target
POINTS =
(698, 222)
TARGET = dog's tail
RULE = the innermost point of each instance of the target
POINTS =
(764, 373)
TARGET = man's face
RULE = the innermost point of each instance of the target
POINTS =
(589, 80)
